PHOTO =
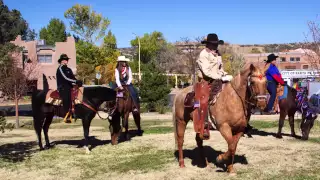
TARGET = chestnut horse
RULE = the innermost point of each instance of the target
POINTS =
(228, 114)
(288, 107)
(125, 105)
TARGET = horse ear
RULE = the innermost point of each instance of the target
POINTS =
(252, 68)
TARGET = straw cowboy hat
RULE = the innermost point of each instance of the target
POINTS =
(271, 58)
(213, 39)
(63, 57)
(123, 59)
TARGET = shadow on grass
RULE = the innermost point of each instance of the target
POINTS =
(211, 154)
(93, 142)
(17, 152)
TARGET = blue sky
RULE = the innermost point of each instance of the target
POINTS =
(235, 21)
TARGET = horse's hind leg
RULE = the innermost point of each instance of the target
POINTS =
(201, 149)
(137, 120)
(181, 127)
(37, 124)
(46, 126)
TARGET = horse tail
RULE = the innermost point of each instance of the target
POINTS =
(174, 120)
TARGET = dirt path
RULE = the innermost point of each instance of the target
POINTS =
(152, 156)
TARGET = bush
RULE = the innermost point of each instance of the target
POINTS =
(161, 106)
(4, 125)
(153, 87)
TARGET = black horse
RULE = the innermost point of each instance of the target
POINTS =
(288, 107)
(93, 97)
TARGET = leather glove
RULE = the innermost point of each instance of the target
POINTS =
(79, 83)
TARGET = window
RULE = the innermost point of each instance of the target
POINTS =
(291, 59)
(297, 59)
(305, 67)
(283, 59)
(290, 67)
(45, 58)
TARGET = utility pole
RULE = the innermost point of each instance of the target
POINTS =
(139, 55)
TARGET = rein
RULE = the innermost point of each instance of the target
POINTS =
(93, 109)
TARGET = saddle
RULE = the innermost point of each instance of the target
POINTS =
(53, 96)
(199, 99)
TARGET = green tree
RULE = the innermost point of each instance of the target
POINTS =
(153, 87)
(86, 23)
(151, 44)
(12, 24)
(54, 32)
(89, 53)
(29, 35)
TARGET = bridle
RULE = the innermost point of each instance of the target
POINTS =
(255, 97)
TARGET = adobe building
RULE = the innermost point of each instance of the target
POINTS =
(46, 58)
(292, 60)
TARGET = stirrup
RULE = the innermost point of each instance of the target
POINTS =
(65, 118)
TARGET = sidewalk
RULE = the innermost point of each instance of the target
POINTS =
(167, 116)
(13, 104)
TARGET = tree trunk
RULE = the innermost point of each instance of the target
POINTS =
(16, 99)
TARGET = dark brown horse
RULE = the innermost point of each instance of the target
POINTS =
(288, 107)
(125, 106)
(93, 97)
(228, 113)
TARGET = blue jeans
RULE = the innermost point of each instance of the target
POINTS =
(272, 89)
(134, 94)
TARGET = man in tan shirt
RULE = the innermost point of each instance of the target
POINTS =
(210, 67)
(210, 76)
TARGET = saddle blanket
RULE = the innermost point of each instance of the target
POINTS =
(285, 93)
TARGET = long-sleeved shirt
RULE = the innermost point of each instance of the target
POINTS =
(210, 65)
(117, 76)
(65, 76)
(273, 74)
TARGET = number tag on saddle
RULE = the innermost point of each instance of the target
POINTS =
(120, 94)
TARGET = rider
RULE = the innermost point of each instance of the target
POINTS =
(125, 78)
(274, 77)
(210, 67)
(65, 82)
(210, 71)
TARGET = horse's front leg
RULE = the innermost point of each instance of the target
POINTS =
(86, 126)
(283, 115)
(180, 129)
(125, 124)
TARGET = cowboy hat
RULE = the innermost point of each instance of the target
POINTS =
(63, 57)
(123, 59)
(271, 58)
(213, 39)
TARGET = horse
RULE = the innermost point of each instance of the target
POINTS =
(288, 106)
(124, 106)
(93, 97)
(228, 114)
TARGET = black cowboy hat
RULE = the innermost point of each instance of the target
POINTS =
(213, 39)
(63, 57)
(271, 58)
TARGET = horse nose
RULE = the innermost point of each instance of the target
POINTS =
(262, 97)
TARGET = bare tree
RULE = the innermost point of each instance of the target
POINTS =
(17, 78)
(312, 45)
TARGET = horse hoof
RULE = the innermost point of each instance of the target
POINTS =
(279, 136)
(87, 150)
(41, 149)
(219, 159)
(182, 166)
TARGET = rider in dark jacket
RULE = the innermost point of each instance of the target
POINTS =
(65, 82)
